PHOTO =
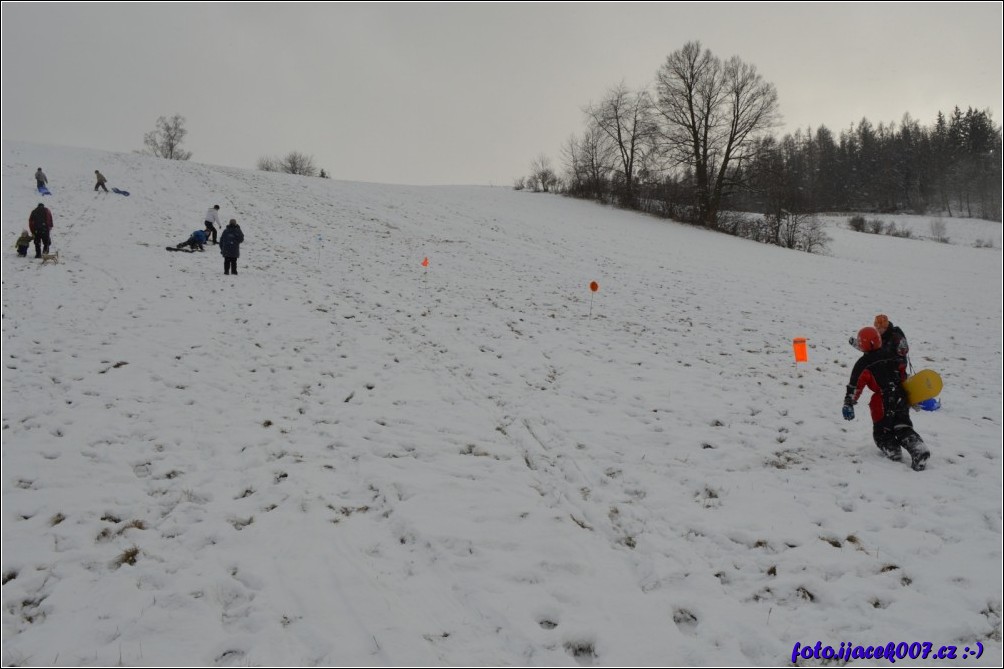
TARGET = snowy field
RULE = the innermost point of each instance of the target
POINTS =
(341, 457)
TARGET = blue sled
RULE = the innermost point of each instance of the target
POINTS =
(932, 404)
(44, 190)
(120, 192)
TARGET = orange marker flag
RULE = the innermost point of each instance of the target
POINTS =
(425, 262)
(593, 286)
(801, 349)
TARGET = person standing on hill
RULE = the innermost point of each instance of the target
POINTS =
(40, 223)
(230, 246)
(41, 181)
(212, 220)
(101, 181)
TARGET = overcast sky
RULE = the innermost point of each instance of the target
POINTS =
(458, 93)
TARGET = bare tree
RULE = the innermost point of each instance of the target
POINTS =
(625, 117)
(588, 161)
(571, 154)
(269, 164)
(711, 113)
(298, 163)
(814, 237)
(542, 173)
(165, 141)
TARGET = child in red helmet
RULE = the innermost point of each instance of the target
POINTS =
(879, 370)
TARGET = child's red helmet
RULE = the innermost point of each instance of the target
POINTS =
(869, 339)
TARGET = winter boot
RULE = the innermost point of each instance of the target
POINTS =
(917, 449)
(918, 452)
(891, 450)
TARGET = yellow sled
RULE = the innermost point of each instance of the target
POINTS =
(922, 386)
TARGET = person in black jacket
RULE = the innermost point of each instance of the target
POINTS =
(879, 371)
(230, 246)
(40, 224)
(894, 341)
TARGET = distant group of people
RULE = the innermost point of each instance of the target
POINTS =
(42, 181)
(230, 239)
(40, 229)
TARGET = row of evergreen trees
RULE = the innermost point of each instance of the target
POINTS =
(952, 168)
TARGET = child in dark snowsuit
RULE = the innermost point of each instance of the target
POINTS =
(879, 369)
(23, 242)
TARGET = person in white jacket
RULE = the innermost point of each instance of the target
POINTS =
(212, 219)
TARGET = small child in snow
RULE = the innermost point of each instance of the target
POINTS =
(880, 371)
(23, 242)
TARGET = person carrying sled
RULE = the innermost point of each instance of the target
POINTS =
(212, 220)
(196, 240)
(879, 371)
(40, 224)
(230, 246)
(23, 242)
(41, 181)
(893, 340)
(101, 181)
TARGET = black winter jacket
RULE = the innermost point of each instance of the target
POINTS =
(230, 241)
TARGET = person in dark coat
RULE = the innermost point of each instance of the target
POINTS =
(894, 341)
(879, 371)
(101, 181)
(230, 246)
(40, 223)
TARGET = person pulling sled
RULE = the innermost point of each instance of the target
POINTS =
(882, 371)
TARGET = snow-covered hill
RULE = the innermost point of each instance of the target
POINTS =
(343, 457)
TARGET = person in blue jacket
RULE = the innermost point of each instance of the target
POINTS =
(196, 241)
(230, 246)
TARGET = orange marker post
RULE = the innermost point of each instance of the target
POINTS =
(801, 349)
(593, 288)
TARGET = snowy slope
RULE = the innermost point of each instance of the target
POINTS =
(343, 457)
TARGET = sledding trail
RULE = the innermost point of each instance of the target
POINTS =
(344, 456)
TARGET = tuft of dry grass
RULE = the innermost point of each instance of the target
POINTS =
(128, 556)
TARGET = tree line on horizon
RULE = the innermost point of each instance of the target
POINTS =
(698, 147)
(165, 140)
